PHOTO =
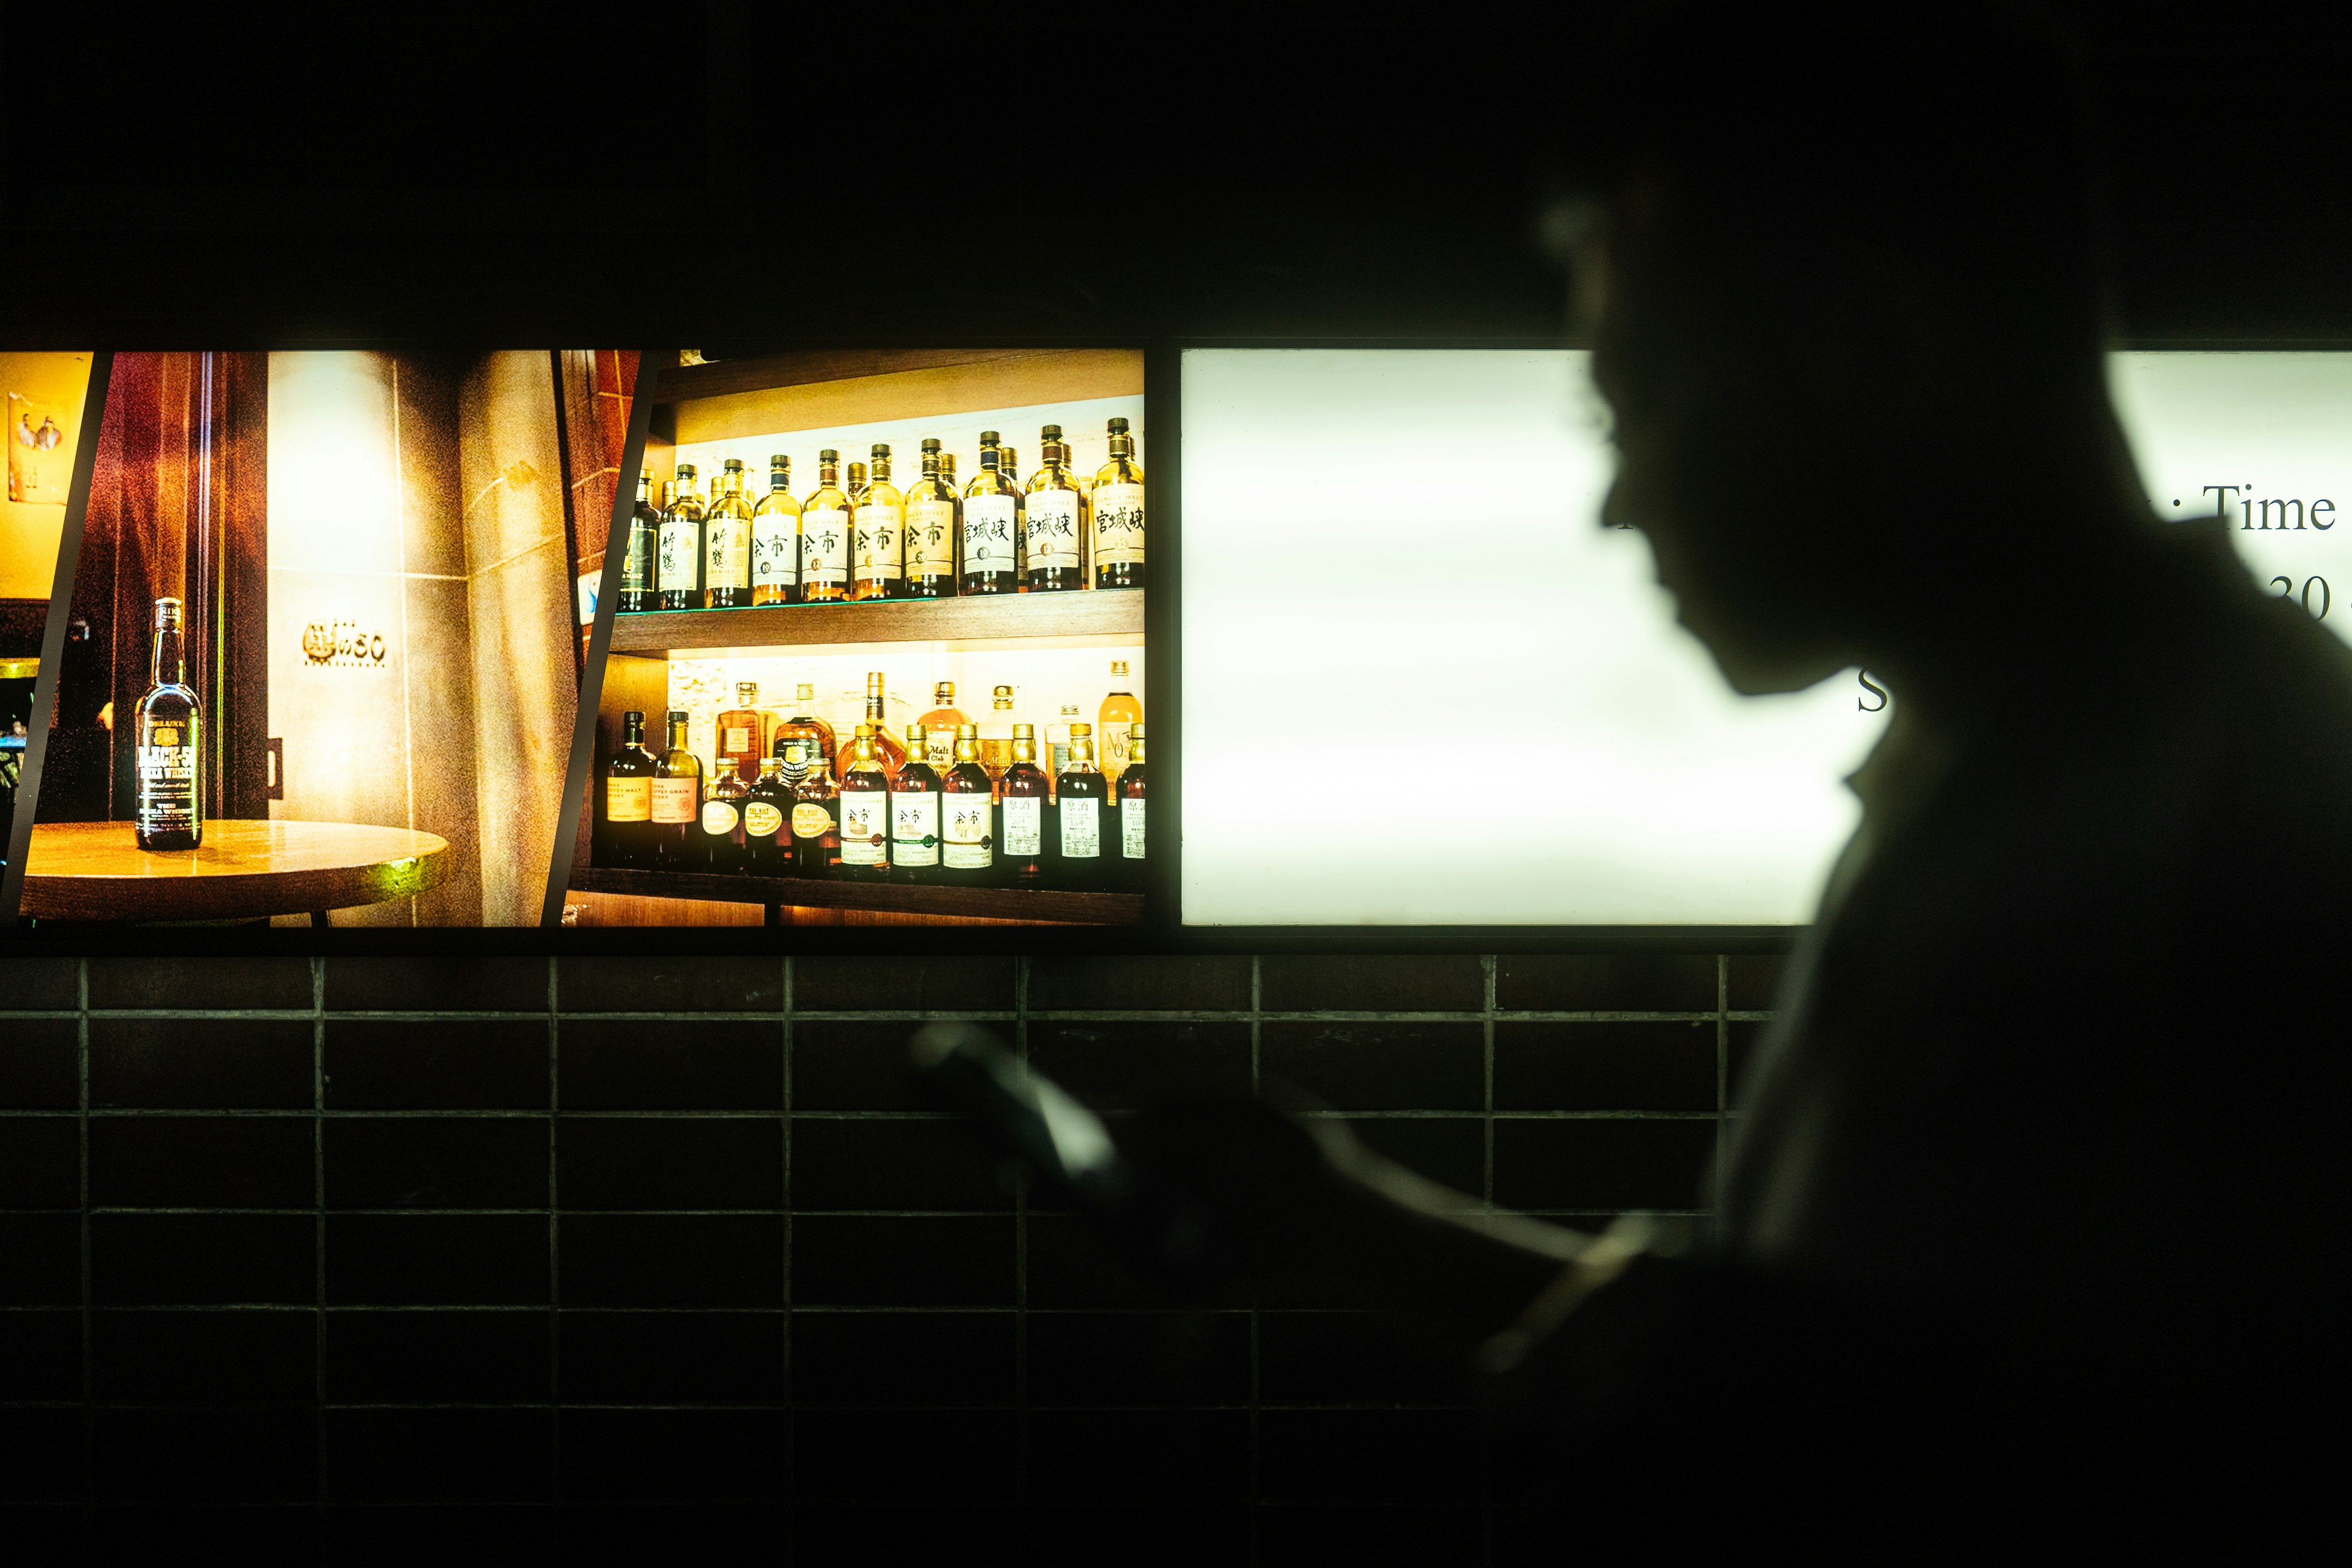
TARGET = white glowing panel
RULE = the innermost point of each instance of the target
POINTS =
(1423, 686)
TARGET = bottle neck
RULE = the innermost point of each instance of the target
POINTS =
(632, 732)
(779, 479)
(677, 734)
(171, 661)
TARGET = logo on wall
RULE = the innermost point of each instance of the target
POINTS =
(341, 645)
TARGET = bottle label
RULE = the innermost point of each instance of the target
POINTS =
(628, 800)
(167, 778)
(824, 547)
(727, 553)
(878, 548)
(1081, 828)
(774, 547)
(735, 740)
(762, 820)
(915, 828)
(1131, 829)
(719, 818)
(810, 820)
(676, 800)
(1119, 525)
(939, 746)
(930, 538)
(637, 566)
(1025, 826)
(1052, 529)
(988, 534)
(968, 846)
(865, 828)
(1117, 746)
(794, 772)
(676, 569)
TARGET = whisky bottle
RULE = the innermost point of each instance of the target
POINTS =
(1075, 855)
(628, 818)
(1058, 740)
(865, 812)
(932, 527)
(1120, 709)
(677, 570)
(815, 830)
(722, 846)
(637, 588)
(804, 725)
(727, 542)
(743, 733)
(885, 745)
(824, 535)
(967, 813)
(940, 726)
(676, 800)
(878, 519)
(1130, 788)
(1055, 514)
(1021, 827)
(996, 739)
(169, 810)
(767, 842)
(1118, 514)
(776, 538)
(1006, 465)
(914, 815)
(991, 524)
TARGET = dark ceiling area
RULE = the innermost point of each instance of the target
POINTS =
(735, 175)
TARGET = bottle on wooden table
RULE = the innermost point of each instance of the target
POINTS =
(824, 535)
(776, 538)
(722, 848)
(1120, 709)
(743, 732)
(930, 530)
(1021, 795)
(815, 824)
(1053, 510)
(914, 815)
(677, 569)
(1118, 514)
(168, 802)
(1130, 788)
(727, 542)
(677, 801)
(804, 725)
(967, 815)
(865, 812)
(1075, 857)
(767, 810)
(991, 527)
(940, 726)
(879, 517)
(626, 822)
(885, 745)
(637, 589)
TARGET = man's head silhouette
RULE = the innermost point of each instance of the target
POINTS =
(1849, 311)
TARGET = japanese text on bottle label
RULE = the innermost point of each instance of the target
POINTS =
(988, 534)
(930, 538)
(677, 566)
(774, 547)
(865, 828)
(727, 554)
(1130, 829)
(1052, 529)
(915, 828)
(1081, 828)
(878, 554)
(1025, 826)
(824, 546)
(1119, 525)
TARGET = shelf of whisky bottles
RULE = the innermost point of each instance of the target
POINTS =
(978, 903)
(984, 618)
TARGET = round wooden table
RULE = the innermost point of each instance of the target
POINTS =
(242, 871)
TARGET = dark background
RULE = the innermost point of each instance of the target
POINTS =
(440, 1244)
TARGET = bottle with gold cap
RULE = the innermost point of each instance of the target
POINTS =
(776, 538)
(1131, 785)
(914, 815)
(167, 764)
(825, 536)
(991, 526)
(767, 809)
(996, 736)
(885, 744)
(1120, 709)
(814, 828)
(865, 812)
(877, 512)
(930, 530)
(1118, 514)
(1054, 527)
(677, 569)
(940, 726)
(1022, 805)
(727, 542)
(1075, 852)
(966, 815)
(637, 589)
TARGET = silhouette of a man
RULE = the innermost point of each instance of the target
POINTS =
(2033, 1206)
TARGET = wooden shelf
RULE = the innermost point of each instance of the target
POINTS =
(993, 617)
(985, 903)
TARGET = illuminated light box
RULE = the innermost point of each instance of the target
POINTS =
(1422, 686)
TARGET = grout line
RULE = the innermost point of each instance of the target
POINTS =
(784, 1323)
(319, 1231)
(1722, 1092)
(891, 1014)
(1486, 963)
(554, 1122)
(1021, 1478)
(1257, 1456)
(89, 1467)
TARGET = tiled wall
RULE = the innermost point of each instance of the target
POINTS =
(389, 1253)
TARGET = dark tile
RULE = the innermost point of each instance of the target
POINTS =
(40, 1356)
(1120, 1455)
(839, 1065)
(40, 1064)
(463, 1063)
(1371, 983)
(40, 984)
(171, 1063)
(963, 1529)
(670, 1162)
(1606, 983)
(1347, 1358)
(704, 1531)
(40, 1162)
(1606, 1163)
(903, 1358)
(673, 1358)
(201, 984)
(1070, 1265)
(510, 1534)
(437, 1260)
(1117, 982)
(977, 984)
(202, 1161)
(437, 1161)
(195, 1357)
(935, 1454)
(1371, 1534)
(1740, 1054)
(897, 1164)
(1754, 980)
(931, 1262)
(1379, 1066)
(1183, 1534)
(1388, 1456)
(646, 1064)
(671, 983)
(203, 1259)
(270, 1530)
(1130, 1065)
(43, 1254)
(1613, 1066)
(470, 1455)
(686, 1455)
(40, 1461)
(673, 1260)
(436, 985)
(455, 1357)
(1138, 1358)
(213, 1454)
(1450, 1151)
